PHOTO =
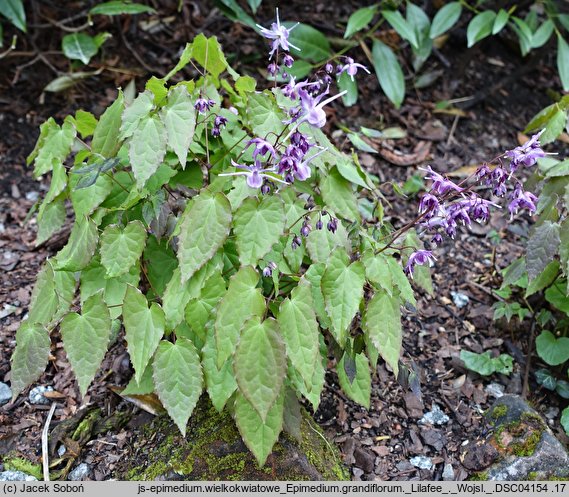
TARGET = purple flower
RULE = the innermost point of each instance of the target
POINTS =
(329, 68)
(429, 204)
(279, 34)
(421, 257)
(266, 188)
(306, 228)
(272, 69)
(319, 224)
(254, 172)
(312, 108)
(519, 199)
(202, 105)
(497, 179)
(482, 172)
(351, 68)
(302, 168)
(300, 140)
(219, 121)
(268, 270)
(527, 154)
(332, 224)
(262, 147)
(441, 185)
(296, 242)
(215, 132)
(288, 61)
(437, 239)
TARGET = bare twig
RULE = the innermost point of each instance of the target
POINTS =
(44, 445)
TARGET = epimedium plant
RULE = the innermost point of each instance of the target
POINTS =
(220, 227)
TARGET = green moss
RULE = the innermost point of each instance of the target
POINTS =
(21, 464)
(533, 476)
(526, 447)
(481, 476)
(499, 412)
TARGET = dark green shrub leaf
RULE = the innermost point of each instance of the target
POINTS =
(119, 7)
(79, 46)
(542, 247)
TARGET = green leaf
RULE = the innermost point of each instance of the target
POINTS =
(160, 263)
(199, 310)
(544, 279)
(401, 26)
(264, 114)
(13, 10)
(298, 325)
(382, 322)
(260, 364)
(389, 72)
(119, 7)
(80, 247)
(542, 34)
(177, 293)
(554, 127)
(259, 435)
(178, 379)
(207, 52)
(51, 217)
(85, 123)
(204, 226)
(314, 45)
(321, 243)
(556, 295)
(86, 200)
(144, 328)
(146, 385)
(242, 301)
(106, 136)
(359, 20)
(179, 117)
(314, 276)
(524, 33)
(30, 357)
(233, 11)
(254, 5)
(79, 46)
(338, 194)
(147, 148)
(542, 247)
(553, 351)
(359, 390)
(445, 19)
(257, 226)
(85, 339)
(378, 271)
(348, 83)
(342, 287)
(480, 27)
(565, 420)
(500, 21)
(361, 144)
(134, 113)
(546, 379)
(485, 365)
(292, 415)
(401, 282)
(122, 248)
(53, 146)
(563, 61)
(564, 246)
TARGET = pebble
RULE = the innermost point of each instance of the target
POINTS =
(32, 196)
(16, 476)
(460, 299)
(37, 396)
(495, 390)
(5, 394)
(448, 473)
(435, 417)
(422, 462)
(80, 472)
(61, 450)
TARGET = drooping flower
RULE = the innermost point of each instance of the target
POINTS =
(255, 173)
(262, 147)
(351, 68)
(428, 205)
(441, 185)
(520, 199)
(312, 109)
(279, 34)
(288, 61)
(526, 154)
(420, 257)
(202, 105)
(268, 270)
(302, 169)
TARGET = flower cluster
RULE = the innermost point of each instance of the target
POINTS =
(448, 205)
(280, 45)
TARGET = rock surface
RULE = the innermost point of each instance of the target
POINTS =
(521, 444)
(16, 476)
(214, 450)
(79, 473)
(5, 394)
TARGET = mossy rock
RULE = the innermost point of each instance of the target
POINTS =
(521, 445)
(213, 450)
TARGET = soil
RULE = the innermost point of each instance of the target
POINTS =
(377, 444)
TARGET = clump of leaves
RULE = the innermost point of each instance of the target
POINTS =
(230, 271)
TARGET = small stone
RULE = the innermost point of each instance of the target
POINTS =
(37, 396)
(80, 472)
(434, 438)
(364, 459)
(551, 413)
(435, 417)
(5, 394)
(16, 476)
(404, 466)
(32, 196)
(460, 299)
(422, 462)
(448, 473)
(495, 390)
(61, 450)
(479, 456)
